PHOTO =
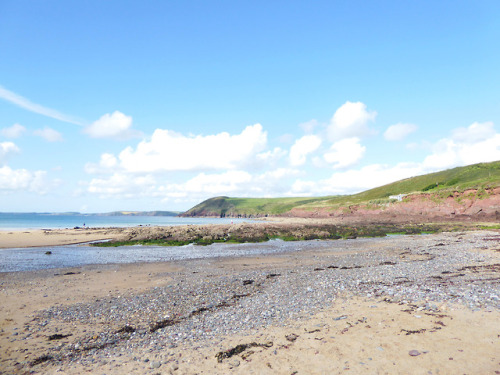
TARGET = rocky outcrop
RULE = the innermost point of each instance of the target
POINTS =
(470, 205)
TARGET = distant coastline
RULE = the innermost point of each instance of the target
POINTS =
(27, 221)
(114, 213)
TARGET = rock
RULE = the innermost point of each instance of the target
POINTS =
(414, 353)
(155, 364)
(233, 363)
(291, 337)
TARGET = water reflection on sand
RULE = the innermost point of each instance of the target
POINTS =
(13, 260)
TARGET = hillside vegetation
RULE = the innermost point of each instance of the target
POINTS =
(479, 177)
(226, 206)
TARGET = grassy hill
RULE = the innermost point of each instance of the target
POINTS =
(478, 176)
(225, 206)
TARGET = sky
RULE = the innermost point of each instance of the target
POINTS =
(159, 105)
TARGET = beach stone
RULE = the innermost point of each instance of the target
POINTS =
(340, 317)
(229, 307)
(233, 363)
(291, 337)
(155, 364)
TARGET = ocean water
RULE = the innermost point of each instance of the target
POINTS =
(30, 259)
(19, 221)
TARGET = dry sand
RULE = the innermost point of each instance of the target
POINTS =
(353, 336)
(54, 237)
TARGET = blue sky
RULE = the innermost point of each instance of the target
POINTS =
(158, 105)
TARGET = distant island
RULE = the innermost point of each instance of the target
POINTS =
(140, 213)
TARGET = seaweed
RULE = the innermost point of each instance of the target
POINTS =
(240, 349)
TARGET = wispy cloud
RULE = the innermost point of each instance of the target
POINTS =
(36, 108)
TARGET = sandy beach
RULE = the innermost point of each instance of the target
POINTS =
(54, 237)
(400, 305)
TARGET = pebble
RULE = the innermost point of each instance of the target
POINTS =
(414, 353)
(155, 364)
(340, 317)
(205, 303)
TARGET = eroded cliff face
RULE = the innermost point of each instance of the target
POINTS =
(473, 205)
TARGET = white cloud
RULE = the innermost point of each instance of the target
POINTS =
(21, 179)
(14, 131)
(121, 185)
(353, 181)
(36, 108)
(399, 131)
(306, 188)
(475, 144)
(232, 183)
(351, 120)
(115, 125)
(202, 186)
(277, 174)
(107, 163)
(271, 156)
(49, 134)
(308, 126)
(214, 184)
(476, 132)
(303, 147)
(125, 185)
(345, 153)
(6, 149)
(171, 151)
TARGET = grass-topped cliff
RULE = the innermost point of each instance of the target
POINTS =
(481, 178)
(226, 206)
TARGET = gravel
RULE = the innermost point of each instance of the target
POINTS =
(206, 302)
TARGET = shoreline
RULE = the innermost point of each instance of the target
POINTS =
(298, 228)
(412, 304)
(54, 237)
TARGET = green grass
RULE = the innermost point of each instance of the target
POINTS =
(439, 185)
(225, 206)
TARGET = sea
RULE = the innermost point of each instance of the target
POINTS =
(20, 221)
(68, 256)
(71, 256)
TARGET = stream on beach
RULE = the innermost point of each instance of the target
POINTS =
(30, 259)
